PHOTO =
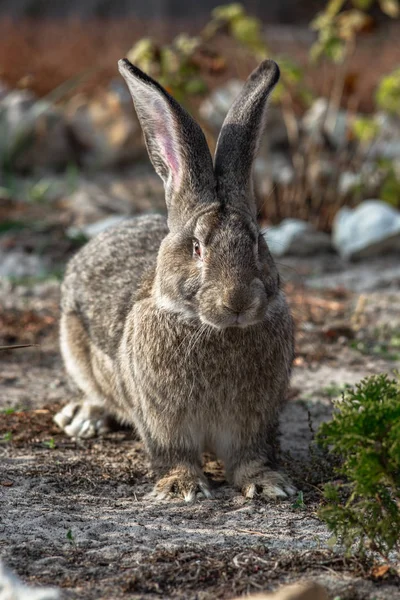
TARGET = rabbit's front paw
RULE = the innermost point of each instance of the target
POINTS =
(263, 481)
(182, 481)
(82, 420)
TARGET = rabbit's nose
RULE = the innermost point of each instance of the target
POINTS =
(236, 301)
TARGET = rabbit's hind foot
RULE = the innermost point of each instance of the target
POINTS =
(83, 420)
(263, 482)
(183, 481)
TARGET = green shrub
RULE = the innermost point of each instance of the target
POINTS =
(388, 93)
(363, 505)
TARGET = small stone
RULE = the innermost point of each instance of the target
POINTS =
(372, 228)
(318, 119)
(348, 181)
(36, 132)
(293, 236)
(17, 264)
(94, 229)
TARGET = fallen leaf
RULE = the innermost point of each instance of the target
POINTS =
(379, 571)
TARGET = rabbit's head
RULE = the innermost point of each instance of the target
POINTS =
(214, 265)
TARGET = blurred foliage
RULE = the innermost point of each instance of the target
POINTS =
(390, 188)
(388, 93)
(181, 67)
(243, 28)
(172, 64)
(248, 31)
(365, 128)
(337, 29)
(178, 67)
(363, 506)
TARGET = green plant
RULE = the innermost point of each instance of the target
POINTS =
(9, 410)
(245, 29)
(388, 93)
(38, 191)
(363, 505)
(50, 444)
(334, 390)
(70, 536)
(390, 188)
(172, 64)
(337, 26)
(299, 502)
(7, 436)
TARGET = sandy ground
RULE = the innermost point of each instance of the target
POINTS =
(79, 515)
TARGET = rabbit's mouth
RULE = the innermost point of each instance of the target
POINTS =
(225, 317)
(240, 321)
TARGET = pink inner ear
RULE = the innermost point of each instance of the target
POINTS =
(164, 131)
(170, 153)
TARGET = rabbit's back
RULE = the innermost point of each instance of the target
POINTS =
(103, 278)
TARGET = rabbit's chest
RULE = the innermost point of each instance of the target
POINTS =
(197, 366)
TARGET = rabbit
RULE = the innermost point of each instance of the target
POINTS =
(179, 326)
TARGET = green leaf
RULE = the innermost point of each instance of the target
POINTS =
(186, 44)
(247, 30)
(299, 502)
(195, 86)
(365, 128)
(229, 12)
(143, 54)
(390, 190)
(50, 444)
(350, 22)
(70, 536)
(388, 93)
(363, 4)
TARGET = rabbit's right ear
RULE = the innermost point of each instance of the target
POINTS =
(175, 143)
(240, 136)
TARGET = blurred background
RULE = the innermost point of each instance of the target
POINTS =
(72, 157)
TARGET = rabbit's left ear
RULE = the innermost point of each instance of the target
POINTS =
(175, 143)
(240, 136)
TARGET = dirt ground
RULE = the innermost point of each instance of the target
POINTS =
(78, 515)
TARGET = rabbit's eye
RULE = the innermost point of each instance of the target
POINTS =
(197, 249)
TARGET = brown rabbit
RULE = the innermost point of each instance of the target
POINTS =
(179, 327)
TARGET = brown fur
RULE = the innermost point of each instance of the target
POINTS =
(193, 350)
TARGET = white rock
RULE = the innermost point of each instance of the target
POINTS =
(11, 588)
(370, 229)
(95, 228)
(317, 119)
(348, 181)
(34, 132)
(215, 107)
(293, 236)
(17, 263)
(387, 143)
